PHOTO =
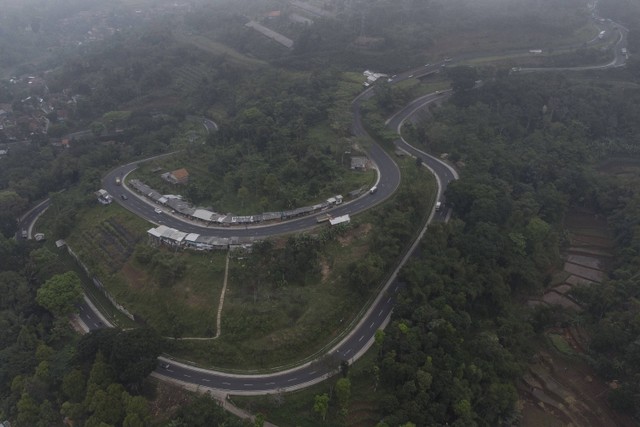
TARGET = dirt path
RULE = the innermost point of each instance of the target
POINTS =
(221, 302)
(219, 313)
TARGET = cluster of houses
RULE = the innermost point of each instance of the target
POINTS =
(207, 217)
(371, 77)
(163, 235)
(37, 108)
(33, 114)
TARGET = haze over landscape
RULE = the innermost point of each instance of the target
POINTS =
(319, 213)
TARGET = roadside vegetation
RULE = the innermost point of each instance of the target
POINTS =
(352, 397)
(528, 148)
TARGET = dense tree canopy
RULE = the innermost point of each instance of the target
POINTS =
(60, 293)
(527, 149)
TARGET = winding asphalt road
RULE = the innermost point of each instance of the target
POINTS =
(360, 339)
(388, 181)
(361, 336)
(378, 315)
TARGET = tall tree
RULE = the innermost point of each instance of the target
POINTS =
(321, 405)
(60, 294)
(343, 394)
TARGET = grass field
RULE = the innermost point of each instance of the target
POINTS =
(266, 327)
(279, 325)
(486, 40)
(560, 344)
(185, 308)
(105, 239)
(103, 217)
(216, 48)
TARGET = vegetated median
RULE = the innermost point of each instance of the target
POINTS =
(291, 296)
(223, 178)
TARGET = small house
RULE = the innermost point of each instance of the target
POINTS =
(104, 198)
(179, 176)
(359, 163)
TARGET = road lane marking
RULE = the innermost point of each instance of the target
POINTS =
(247, 384)
(207, 380)
(291, 379)
(186, 375)
(347, 352)
(226, 383)
(271, 383)
(361, 338)
(312, 372)
(380, 314)
(389, 300)
(371, 325)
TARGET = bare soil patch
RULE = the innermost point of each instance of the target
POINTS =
(193, 299)
(582, 240)
(575, 280)
(358, 232)
(620, 166)
(560, 388)
(586, 261)
(565, 390)
(167, 400)
(137, 279)
(325, 270)
(555, 298)
(586, 220)
(584, 272)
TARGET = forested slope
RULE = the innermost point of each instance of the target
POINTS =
(526, 148)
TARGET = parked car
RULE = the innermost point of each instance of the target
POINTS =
(123, 197)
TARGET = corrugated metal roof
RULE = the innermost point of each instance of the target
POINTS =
(340, 220)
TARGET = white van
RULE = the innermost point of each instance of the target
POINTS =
(373, 190)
